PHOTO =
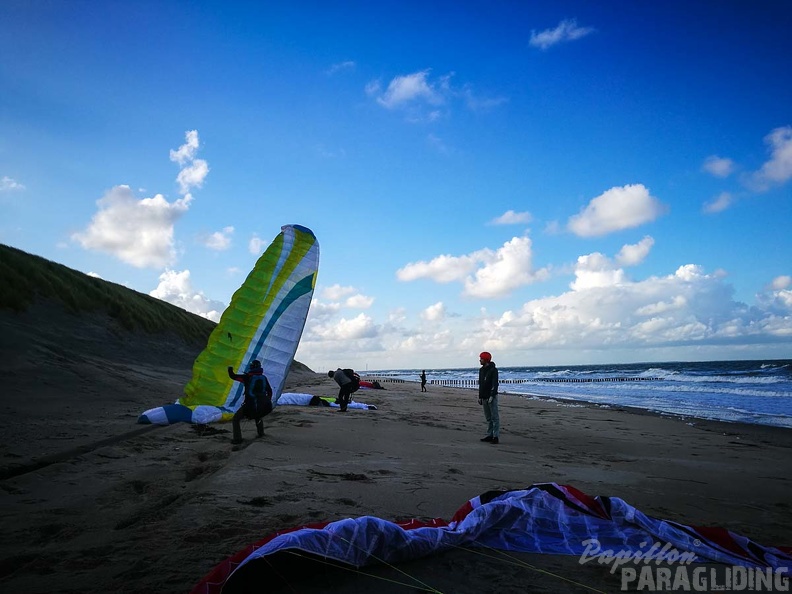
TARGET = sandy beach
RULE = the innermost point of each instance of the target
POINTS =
(93, 502)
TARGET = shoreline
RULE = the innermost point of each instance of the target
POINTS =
(617, 407)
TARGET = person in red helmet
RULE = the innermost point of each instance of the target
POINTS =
(488, 396)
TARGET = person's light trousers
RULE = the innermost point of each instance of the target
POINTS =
(492, 417)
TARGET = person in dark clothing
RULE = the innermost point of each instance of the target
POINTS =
(348, 382)
(258, 399)
(423, 381)
(488, 396)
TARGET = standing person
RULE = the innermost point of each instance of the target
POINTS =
(348, 382)
(423, 381)
(488, 396)
(258, 398)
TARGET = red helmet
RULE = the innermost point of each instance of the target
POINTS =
(485, 356)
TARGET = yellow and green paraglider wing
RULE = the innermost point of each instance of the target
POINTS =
(264, 321)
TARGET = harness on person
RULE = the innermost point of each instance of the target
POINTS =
(355, 379)
(258, 404)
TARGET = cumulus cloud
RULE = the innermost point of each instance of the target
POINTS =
(442, 269)
(186, 152)
(176, 287)
(597, 270)
(337, 292)
(484, 273)
(567, 30)
(434, 313)
(192, 176)
(359, 301)
(511, 217)
(616, 209)
(720, 203)
(219, 240)
(409, 88)
(686, 307)
(508, 268)
(138, 232)
(8, 184)
(781, 282)
(778, 169)
(359, 327)
(718, 166)
(633, 254)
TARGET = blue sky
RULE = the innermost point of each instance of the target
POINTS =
(555, 182)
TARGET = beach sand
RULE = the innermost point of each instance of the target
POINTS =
(93, 502)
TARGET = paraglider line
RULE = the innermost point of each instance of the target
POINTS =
(503, 556)
(426, 587)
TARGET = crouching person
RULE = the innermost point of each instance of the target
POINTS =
(258, 399)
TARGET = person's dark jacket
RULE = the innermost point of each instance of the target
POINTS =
(488, 381)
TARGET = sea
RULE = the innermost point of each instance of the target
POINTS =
(758, 392)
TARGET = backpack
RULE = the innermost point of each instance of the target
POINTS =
(257, 403)
(355, 379)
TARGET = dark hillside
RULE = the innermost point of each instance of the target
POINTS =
(26, 279)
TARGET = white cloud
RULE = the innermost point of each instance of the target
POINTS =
(424, 99)
(409, 88)
(507, 269)
(175, 287)
(781, 282)
(434, 313)
(256, 245)
(442, 269)
(359, 302)
(721, 202)
(138, 232)
(567, 30)
(616, 209)
(687, 307)
(359, 327)
(8, 184)
(219, 240)
(341, 66)
(778, 170)
(94, 274)
(193, 175)
(718, 166)
(596, 270)
(630, 255)
(485, 273)
(186, 152)
(337, 292)
(511, 217)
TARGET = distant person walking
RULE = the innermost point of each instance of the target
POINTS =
(258, 399)
(348, 382)
(488, 396)
(423, 381)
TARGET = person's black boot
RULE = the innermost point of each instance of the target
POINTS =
(487, 438)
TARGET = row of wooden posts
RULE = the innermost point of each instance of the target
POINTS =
(474, 382)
